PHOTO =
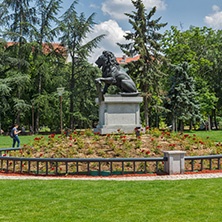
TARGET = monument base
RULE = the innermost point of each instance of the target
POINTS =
(118, 112)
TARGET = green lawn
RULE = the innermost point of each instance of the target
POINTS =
(6, 141)
(215, 135)
(66, 200)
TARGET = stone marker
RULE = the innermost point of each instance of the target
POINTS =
(175, 161)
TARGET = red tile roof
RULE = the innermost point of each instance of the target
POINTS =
(124, 60)
(46, 47)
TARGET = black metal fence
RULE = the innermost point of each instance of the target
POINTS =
(193, 160)
(15, 164)
(6, 166)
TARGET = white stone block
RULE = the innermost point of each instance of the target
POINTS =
(175, 162)
(119, 112)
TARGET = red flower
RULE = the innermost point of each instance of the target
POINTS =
(70, 145)
(118, 130)
(74, 140)
(42, 136)
(161, 137)
(25, 145)
(58, 136)
(23, 165)
(147, 152)
(170, 145)
(152, 139)
(174, 145)
(195, 141)
(142, 151)
(60, 168)
(41, 154)
(147, 127)
(208, 137)
(107, 135)
(139, 137)
(217, 152)
(21, 151)
(53, 168)
(10, 163)
(217, 144)
(168, 134)
(191, 150)
(4, 155)
(141, 129)
(194, 138)
(65, 132)
(124, 140)
(158, 146)
(189, 136)
(194, 135)
(137, 130)
(75, 132)
(70, 135)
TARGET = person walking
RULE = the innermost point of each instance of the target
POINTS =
(15, 135)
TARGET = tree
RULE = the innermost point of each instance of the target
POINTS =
(145, 41)
(74, 30)
(201, 48)
(184, 104)
(47, 11)
(22, 15)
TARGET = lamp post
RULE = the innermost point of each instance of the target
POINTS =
(60, 91)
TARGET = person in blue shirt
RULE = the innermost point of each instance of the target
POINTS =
(15, 135)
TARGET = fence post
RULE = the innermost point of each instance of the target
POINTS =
(175, 161)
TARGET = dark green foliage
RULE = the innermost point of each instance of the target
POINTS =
(183, 99)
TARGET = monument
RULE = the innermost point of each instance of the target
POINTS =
(116, 111)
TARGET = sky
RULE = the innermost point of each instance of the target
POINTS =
(110, 18)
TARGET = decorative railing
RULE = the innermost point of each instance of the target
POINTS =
(12, 167)
(193, 161)
(16, 164)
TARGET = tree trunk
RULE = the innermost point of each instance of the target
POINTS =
(209, 126)
(191, 124)
(72, 82)
(37, 112)
(215, 119)
(181, 125)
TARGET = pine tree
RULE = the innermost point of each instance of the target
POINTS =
(74, 31)
(144, 41)
(184, 104)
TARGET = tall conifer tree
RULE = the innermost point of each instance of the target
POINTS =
(144, 41)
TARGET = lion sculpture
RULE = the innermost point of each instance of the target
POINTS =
(113, 74)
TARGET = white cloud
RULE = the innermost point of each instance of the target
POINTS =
(117, 8)
(93, 6)
(214, 20)
(114, 33)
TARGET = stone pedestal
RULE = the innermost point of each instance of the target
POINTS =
(118, 112)
(175, 162)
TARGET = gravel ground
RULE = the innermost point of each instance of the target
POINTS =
(139, 178)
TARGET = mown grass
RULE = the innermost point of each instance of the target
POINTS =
(6, 141)
(215, 135)
(66, 200)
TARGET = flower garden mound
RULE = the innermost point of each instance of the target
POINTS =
(85, 144)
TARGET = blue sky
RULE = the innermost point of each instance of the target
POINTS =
(111, 21)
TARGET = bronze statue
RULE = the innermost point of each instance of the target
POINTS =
(113, 74)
